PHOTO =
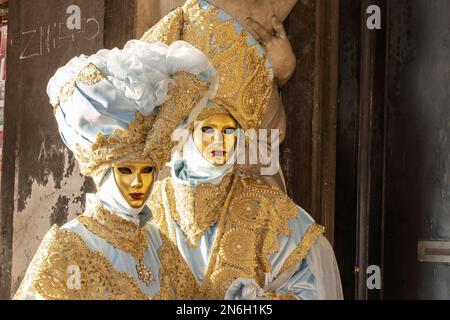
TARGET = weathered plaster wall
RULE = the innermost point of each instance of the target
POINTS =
(54, 200)
(43, 183)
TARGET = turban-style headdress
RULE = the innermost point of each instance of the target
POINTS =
(124, 104)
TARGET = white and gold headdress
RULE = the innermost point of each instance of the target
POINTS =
(243, 69)
(122, 105)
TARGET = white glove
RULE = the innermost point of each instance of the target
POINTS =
(245, 289)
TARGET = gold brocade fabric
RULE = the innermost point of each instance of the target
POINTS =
(194, 210)
(99, 280)
(120, 233)
(252, 219)
(89, 75)
(302, 249)
(282, 296)
(245, 75)
(176, 280)
(48, 272)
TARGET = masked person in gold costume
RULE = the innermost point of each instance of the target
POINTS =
(242, 238)
(241, 235)
(251, 62)
(116, 110)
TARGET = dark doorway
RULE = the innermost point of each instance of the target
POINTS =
(393, 147)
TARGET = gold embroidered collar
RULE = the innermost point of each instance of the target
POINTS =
(118, 232)
(198, 208)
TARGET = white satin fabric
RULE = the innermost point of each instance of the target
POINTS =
(190, 165)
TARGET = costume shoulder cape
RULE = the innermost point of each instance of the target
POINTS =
(253, 220)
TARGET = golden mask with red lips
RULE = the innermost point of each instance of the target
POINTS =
(135, 181)
(216, 138)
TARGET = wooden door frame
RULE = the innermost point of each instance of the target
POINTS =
(361, 132)
(309, 152)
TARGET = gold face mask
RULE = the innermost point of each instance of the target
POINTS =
(216, 138)
(135, 181)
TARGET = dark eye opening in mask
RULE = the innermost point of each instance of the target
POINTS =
(229, 130)
(147, 170)
(124, 170)
(207, 130)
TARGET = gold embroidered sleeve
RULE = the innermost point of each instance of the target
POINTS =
(297, 256)
(177, 281)
(167, 30)
(64, 268)
(282, 296)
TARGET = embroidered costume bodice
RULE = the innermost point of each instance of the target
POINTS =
(229, 226)
(258, 233)
(103, 249)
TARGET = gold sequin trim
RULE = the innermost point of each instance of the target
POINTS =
(167, 30)
(89, 75)
(66, 91)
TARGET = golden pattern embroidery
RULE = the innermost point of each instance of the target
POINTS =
(144, 273)
(252, 219)
(235, 251)
(122, 234)
(89, 75)
(109, 150)
(176, 280)
(294, 259)
(167, 30)
(281, 296)
(183, 106)
(157, 203)
(197, 210)
(66, 91)
(48, 272)
(245, 78)
(264, 213)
